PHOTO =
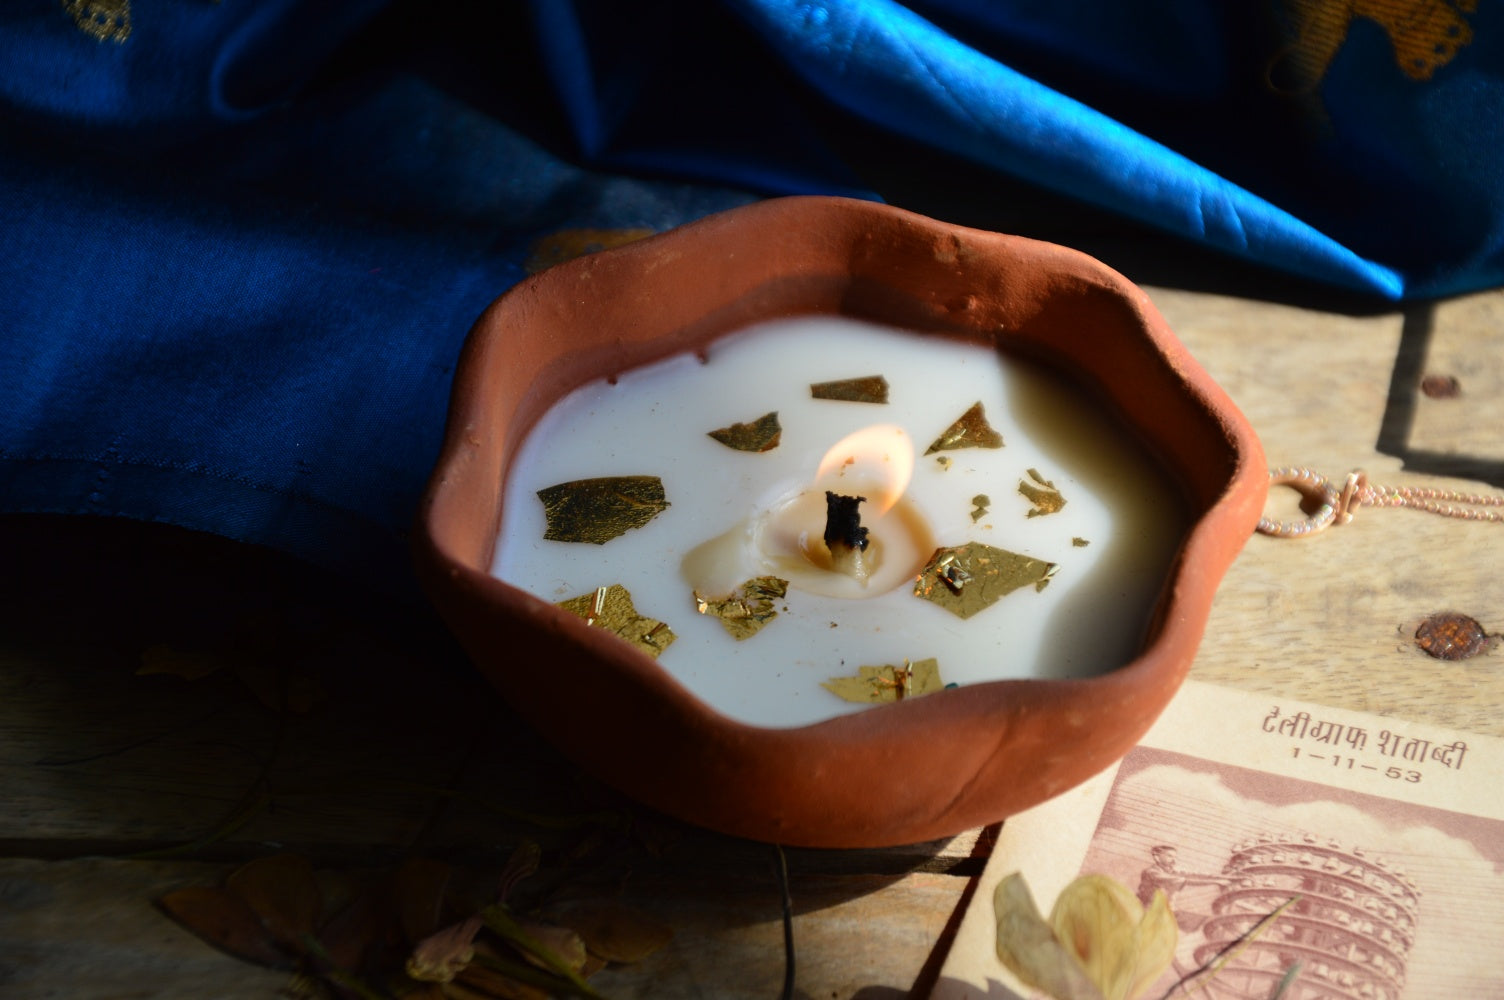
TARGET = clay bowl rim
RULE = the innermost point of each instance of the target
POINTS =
(814, 785)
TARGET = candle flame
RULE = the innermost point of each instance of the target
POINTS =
(875, 462)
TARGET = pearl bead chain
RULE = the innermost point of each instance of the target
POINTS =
(1338, 504)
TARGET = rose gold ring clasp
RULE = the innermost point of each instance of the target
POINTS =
(1336, 505)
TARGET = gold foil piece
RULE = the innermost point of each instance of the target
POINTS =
(760, 435)
(971, 430)
(869, 389)
(979, 504)
(943, 460)
(611, 608)
(567, 244)
(1042, 494)
(744, 612)
(1080, 542)
(598, 510)
(874, 685)
(969, 578)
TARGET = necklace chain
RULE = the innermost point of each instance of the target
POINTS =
(1339, 502)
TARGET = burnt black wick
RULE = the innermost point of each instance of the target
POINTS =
(843, 523)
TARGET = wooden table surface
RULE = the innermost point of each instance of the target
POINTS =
(402, 752)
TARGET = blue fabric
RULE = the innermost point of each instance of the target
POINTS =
(243, 240)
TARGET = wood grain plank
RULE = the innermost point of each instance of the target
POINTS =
(1332, 618)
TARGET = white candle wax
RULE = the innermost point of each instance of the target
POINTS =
(655, 421)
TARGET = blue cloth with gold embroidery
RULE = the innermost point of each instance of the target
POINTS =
(243, 240)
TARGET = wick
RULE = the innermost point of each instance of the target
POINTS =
(844, 535)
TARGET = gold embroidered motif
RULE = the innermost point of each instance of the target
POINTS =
(106, 20)
(1426, 35)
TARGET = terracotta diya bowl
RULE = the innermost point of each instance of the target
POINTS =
(904, 772)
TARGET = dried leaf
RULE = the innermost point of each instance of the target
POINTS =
(1042, 494)
(611, 608)
(969, 578)
(598, 510)
(419, 886)
(227, 922)
(746, 610)
(614, 931)
(979, 504)
(874, 685)
(282, 891)
(189, 664)
(762, 434)
(1028, 947)
(971, 430)
(567, 244)
(868, 389)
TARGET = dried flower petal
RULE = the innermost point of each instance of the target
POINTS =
(442, 955)
(971, 430)
(611, 608)
(564, 943)
(745, 611)
(1042, 494)
(965, 579)
(762, 434)
(1102, 923)
(875, 685)
(1028, 947)
(598, 510)
(868, 389)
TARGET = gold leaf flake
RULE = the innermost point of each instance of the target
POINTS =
(597, 510)
(967, 578)
(943, 460)
(1042, 494)
(611, 608)
(873, 685)
(1080, 542)
(567, 244)
(869, 389)
(980, 503)
(971, 430)
(745, 611)
(760, 435)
